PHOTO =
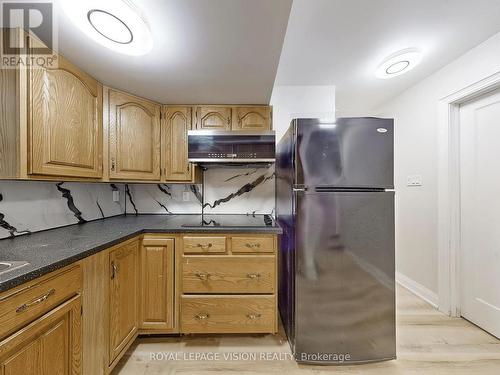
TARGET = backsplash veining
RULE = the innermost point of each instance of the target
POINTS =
(239, 191)
(31, 206)
(162, 199)
(226, 191)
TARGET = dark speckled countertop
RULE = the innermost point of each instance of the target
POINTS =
(53, 249)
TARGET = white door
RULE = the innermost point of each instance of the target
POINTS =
(480, 212)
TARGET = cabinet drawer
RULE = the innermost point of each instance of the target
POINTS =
(25, 305)
(228, 314)
(226, 274)
(252, 245)
(204, 245)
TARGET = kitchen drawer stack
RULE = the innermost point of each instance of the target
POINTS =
(228, 284)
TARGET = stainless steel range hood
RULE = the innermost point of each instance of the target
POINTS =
(210, 147)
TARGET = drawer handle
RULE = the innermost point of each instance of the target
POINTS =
(202, 275)
(206, 246)
(253, 276)
(252, 245)
(40, 299)
(202, 316)
(254, 316)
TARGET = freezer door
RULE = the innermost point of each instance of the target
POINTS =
(344, 285)
(350, 153)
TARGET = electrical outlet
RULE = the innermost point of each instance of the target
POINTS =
(414, 180)
(185, 196)
(116, 195)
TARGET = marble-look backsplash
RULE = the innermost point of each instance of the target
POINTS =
(226, 191)
(31, 206)
(239, 191)
(163, 199)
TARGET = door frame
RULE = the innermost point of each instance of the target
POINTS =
(449, 213)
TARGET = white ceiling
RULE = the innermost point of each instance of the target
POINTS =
(205, 51)
(341, 43)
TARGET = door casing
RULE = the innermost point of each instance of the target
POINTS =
(449, 214)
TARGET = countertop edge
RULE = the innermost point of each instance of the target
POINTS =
(54, 266)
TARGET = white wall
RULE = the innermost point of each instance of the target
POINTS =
(291, 102)
(416, 152)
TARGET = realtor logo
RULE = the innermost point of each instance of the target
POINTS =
(37, 19)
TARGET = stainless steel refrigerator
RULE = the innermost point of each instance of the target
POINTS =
(335, 203)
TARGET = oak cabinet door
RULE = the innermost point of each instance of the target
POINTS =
(65, 122)
(213, 118)
(157, 284)
(51, 345)
(176, 123)
(252, 118)
(123, 297)
(134, 137)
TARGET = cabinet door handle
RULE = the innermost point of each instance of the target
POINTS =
(114, 270)
(253, 276)
(36, 301)
(254, 316)
(252, 245)
(113, 164)
(202, 275)
(205, 246)
(202, 316)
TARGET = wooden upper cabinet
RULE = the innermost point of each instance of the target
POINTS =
(157, 284)
(252, 118)
(123, 297)
(176, 123)
(213, 118)
(65, 122)
(134, 137)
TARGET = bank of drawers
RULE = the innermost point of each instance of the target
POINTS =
(228, 284)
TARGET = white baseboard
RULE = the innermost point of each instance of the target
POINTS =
(419, 290)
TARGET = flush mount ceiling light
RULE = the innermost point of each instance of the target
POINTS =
(115, 24)
(399, 63)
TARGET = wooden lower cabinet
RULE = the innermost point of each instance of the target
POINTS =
(228, 284)
(226, 274)
(123, 298)
(83, 318)
(157, 285)
(228, 314)
(50, 345)
(203, 244)
(36, 298)
(95, 300)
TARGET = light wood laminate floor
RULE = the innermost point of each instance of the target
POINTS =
(429, 342)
